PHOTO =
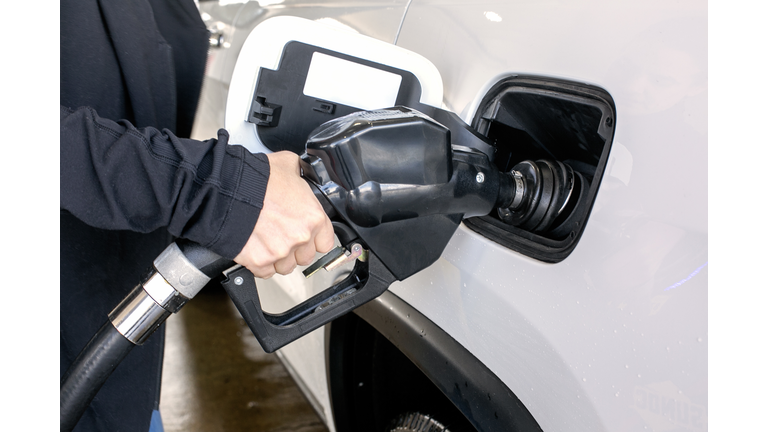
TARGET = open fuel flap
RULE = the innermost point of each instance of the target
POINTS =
(293, 74)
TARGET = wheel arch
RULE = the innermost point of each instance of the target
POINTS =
(485, 402)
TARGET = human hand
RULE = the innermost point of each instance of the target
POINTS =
(292, 225)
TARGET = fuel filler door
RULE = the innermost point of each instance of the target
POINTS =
(294, 74)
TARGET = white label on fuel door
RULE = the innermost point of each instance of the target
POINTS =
(344, 82)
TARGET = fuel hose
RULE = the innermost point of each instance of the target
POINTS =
(178, 274)
(89, 371)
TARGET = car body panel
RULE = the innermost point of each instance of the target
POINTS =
(615, 336)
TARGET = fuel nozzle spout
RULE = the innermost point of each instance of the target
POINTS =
(541, 196)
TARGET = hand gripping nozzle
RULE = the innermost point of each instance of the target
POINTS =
(396, 190)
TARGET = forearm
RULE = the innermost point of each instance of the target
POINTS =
(114, 176)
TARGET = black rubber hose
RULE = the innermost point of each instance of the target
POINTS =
(89, 371)
(108, 347)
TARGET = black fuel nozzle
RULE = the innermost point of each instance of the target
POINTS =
(397, 180)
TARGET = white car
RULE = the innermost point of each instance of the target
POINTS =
(600, 326)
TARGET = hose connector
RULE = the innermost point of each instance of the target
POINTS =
(138, 315)
(173, 281)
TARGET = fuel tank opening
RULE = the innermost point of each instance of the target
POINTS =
(541, 196)
(553, 136)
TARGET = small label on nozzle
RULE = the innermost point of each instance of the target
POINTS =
(336, 298)
(339, 124)
(389, 114)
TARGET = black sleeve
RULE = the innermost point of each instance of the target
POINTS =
(114, 176)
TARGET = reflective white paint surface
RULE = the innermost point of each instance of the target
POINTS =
(615, 336)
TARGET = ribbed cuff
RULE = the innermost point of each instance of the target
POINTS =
(246, 204)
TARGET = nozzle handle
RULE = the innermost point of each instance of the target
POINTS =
(367, 281)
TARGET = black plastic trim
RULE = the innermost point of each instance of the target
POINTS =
(486, 402)
(285, 116)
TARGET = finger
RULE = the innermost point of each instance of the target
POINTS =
(324, 240)
(305, 254)
(286, 265)
(265, 272)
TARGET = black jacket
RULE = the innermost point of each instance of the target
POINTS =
(114, 176)
(128, 181)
